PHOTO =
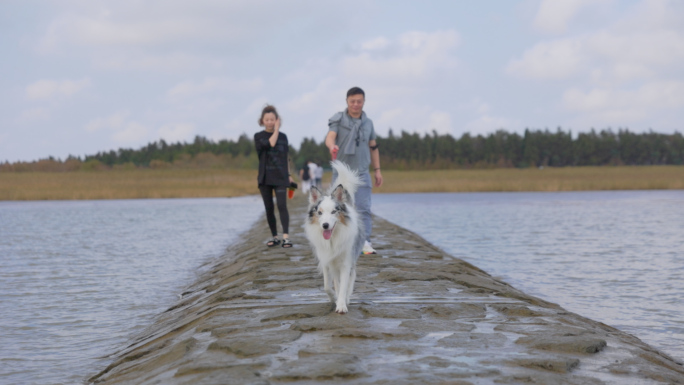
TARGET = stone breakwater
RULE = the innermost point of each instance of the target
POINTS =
(417, 316)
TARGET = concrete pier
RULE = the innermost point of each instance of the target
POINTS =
(259, 315)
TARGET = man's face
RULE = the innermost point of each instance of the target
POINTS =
(355, 105)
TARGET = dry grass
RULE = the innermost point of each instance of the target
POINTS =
(185, 183)
(127, 184)
(547, 179)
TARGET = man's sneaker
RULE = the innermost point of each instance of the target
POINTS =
(368, 249)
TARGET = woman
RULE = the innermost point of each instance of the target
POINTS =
(274, 175)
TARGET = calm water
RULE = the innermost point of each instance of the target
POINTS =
(79, 278)
(615, 257)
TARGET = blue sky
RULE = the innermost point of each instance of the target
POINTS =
(86, 76)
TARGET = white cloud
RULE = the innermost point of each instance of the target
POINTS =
(558, 59)
(172, 23)
(482, 107)
(50, 89)
(413, 57)
(171, 35)
(233, 128)
(177, 132)
(625, 73)
(256, 106)
(190, 88)
(114, 121)
(131, 133)
(141, 60)
(391, 115)
(482, 118)
(33, 114)
(423, 120)
(637, 53)
(623, 51)
(377, 43)
(121, 129)
(440, 121)
(236, 125)
(310, 100)
(130, 36)
(621, 106)
(554, 16)
(115, 24)
(609, 54)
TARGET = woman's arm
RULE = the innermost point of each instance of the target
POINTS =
(274, 137)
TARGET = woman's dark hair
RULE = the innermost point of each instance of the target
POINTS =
(356, 91)
(268, 109)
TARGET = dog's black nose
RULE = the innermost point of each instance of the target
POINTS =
(325, 226)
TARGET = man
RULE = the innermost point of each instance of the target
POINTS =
(351, 137)
(318, 175)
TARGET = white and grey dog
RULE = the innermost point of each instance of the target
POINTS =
(336, 234)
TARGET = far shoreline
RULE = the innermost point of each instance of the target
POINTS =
(215, 183)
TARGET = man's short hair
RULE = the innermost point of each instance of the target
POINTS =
(356, 91)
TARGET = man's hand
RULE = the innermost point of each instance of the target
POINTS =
(330, 143)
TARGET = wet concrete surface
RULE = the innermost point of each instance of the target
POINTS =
(259, 315)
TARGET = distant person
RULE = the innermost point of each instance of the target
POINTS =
(318, 180)
(274, 174)
(351, 137)
(305, 177)
(313, 170)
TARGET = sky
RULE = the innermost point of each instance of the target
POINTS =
(79, 77)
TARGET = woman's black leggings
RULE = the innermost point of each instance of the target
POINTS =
(281, 198)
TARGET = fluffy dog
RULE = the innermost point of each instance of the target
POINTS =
(336, 234)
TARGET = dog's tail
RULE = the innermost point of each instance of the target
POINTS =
(348, 178)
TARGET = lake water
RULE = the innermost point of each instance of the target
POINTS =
(80, 278)
(615, 257)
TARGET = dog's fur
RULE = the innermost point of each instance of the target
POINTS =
(336, 234)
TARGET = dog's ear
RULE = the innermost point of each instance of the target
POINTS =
(314, 195)
(340, 194)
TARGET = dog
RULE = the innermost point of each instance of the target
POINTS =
(335, 233)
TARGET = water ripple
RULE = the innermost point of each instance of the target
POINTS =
(79, 278)
(616, 257)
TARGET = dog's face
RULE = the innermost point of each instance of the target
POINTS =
(328, 212)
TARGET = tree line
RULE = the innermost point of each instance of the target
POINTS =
(532, 149)
(405, 151)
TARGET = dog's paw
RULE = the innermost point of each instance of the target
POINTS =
(341, 309)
